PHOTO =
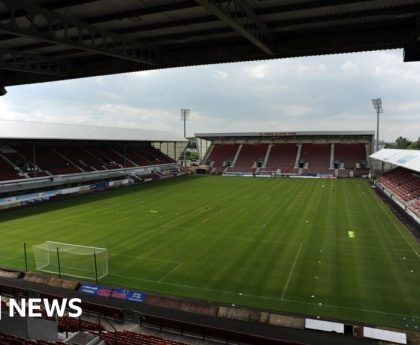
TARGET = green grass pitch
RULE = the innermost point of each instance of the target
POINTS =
(242, 241)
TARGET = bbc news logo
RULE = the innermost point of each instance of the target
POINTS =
(39, 307)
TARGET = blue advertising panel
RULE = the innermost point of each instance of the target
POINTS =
(99, 186)
(135, 296)
(98, 290)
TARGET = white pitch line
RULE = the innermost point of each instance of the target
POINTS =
(291, 272)
(409, 243)
(264, 297)
(170, 272)
(11, 258)
(146, 258)
(393, 219)
(178, 285)
(351, 308)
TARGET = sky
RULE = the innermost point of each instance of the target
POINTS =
(303, 94)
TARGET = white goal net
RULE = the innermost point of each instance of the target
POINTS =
(71, 260)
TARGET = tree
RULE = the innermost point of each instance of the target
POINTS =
(415, 145)
(192, 143)
(390, 146)
(402, 143)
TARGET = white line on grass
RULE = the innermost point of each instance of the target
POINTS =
(291, 272)
(262, 297)
(147, 259)
(397, 225)
(350, 308)
(408, 242)
(175, 284)
(170, 272)
(11, 258)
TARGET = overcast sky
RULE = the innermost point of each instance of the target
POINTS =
(315, 93)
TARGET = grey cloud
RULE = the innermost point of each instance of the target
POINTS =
(328, 92)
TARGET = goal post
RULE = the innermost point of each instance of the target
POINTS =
(71, 260)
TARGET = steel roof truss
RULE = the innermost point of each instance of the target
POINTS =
(242, 18)
(46, 25)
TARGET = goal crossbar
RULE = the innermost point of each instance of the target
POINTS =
(71, 259)
(50, 245)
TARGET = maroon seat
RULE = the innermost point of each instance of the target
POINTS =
(249, 154)
(350, 154)
(221, 153)
(317, 155)
(404, 185)
(283, 157)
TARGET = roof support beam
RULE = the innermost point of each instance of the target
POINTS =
(11, 60)
(52, 6)
(240, 17)
(97, 19)
(55, 28)
(67, 4)
(307, 5)
(142, 12)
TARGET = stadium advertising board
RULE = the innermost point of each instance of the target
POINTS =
(96, 290)
(277, 134)
(24, 199)
(123, 294)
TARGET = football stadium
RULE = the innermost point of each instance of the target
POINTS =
(278, 237)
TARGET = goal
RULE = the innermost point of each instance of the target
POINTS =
(71, 260)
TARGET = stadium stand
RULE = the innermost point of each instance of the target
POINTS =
(69, 324)
(404, 185)
(49, 160)
(316, 157)
(350, 154)
(35, 149)
(7, 170)
(64, 160)
(13, 340)
(78, 157)
(109, 157)
(156, 156)
(283, 157)
(115, 338)
(250, 157)
(131, 338)
(136, 155)
(341, 154)
(222, 155)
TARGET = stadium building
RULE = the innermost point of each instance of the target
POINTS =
(398, 176)
(42, 161)
(339, 153)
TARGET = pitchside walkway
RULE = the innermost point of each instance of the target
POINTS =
(234, 326)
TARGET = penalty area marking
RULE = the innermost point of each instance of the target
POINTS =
(291, 272)
(146, 258)
(11, 258)
(170, 272)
